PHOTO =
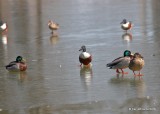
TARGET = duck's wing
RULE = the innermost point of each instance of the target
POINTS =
(53, 26)
(11, 64)
(115, 62)
(119, 63)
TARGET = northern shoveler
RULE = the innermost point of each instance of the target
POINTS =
(53, 26)
(121, 62)
(136, 64)
(126, 25)
(3, 26)
(18, 65)
(85, 58)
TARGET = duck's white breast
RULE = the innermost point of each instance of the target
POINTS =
(125, 25)
(4, 26)
(84, 55)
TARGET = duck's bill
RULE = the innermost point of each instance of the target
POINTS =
(23, 60)
(122, 22)
(80, 49)
(132, 54)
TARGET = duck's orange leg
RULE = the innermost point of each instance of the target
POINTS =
(139, 74)
(117, 71)
(124, 72)
(134, 73)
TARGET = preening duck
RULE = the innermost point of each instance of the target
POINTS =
(121, 62)
(137, 64)
(18, 65)
(85, 58)
(126, 25)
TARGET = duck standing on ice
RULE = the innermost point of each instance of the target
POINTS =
(126, 25)
(85, 58)
(53, 26)
(121, 62)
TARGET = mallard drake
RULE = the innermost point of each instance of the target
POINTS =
(136, 64)
(126, 25)
(85, 58)
(3, 26)
(18, 65)
(53, 26)
(121, 62)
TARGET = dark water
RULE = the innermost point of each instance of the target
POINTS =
(53, 83)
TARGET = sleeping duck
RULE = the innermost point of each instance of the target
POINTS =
(18, 65)
(53, 26)
(126, 25)
(3, 26)
(85, 58)
(136, 64)
(121, 62)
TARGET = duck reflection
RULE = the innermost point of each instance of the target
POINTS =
(86, 76)
(4, 39)
(120, 79)
(138, 86)
(119, 75)
(20, 76)
(127, 37)
(141, 99)
(54, 39)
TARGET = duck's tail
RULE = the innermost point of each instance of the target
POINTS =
(109, 66)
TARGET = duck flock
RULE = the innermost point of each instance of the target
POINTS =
(133, 61)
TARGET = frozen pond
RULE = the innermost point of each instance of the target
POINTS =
(53, 82)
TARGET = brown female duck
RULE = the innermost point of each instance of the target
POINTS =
(136, 64)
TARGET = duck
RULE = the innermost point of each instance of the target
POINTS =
(3, 26)
(136, 64)
(53, 26)
(121, 62)
(126, 25)
(85, 58)
(18, 65)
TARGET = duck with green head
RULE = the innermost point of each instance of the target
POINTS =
(121, 62)
(18, 65)
(137, 64)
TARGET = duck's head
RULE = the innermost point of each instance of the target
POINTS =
(127, 53)
(138, 55)
(124, 21)
(83, 48)
(49, 22)
(20, 59)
